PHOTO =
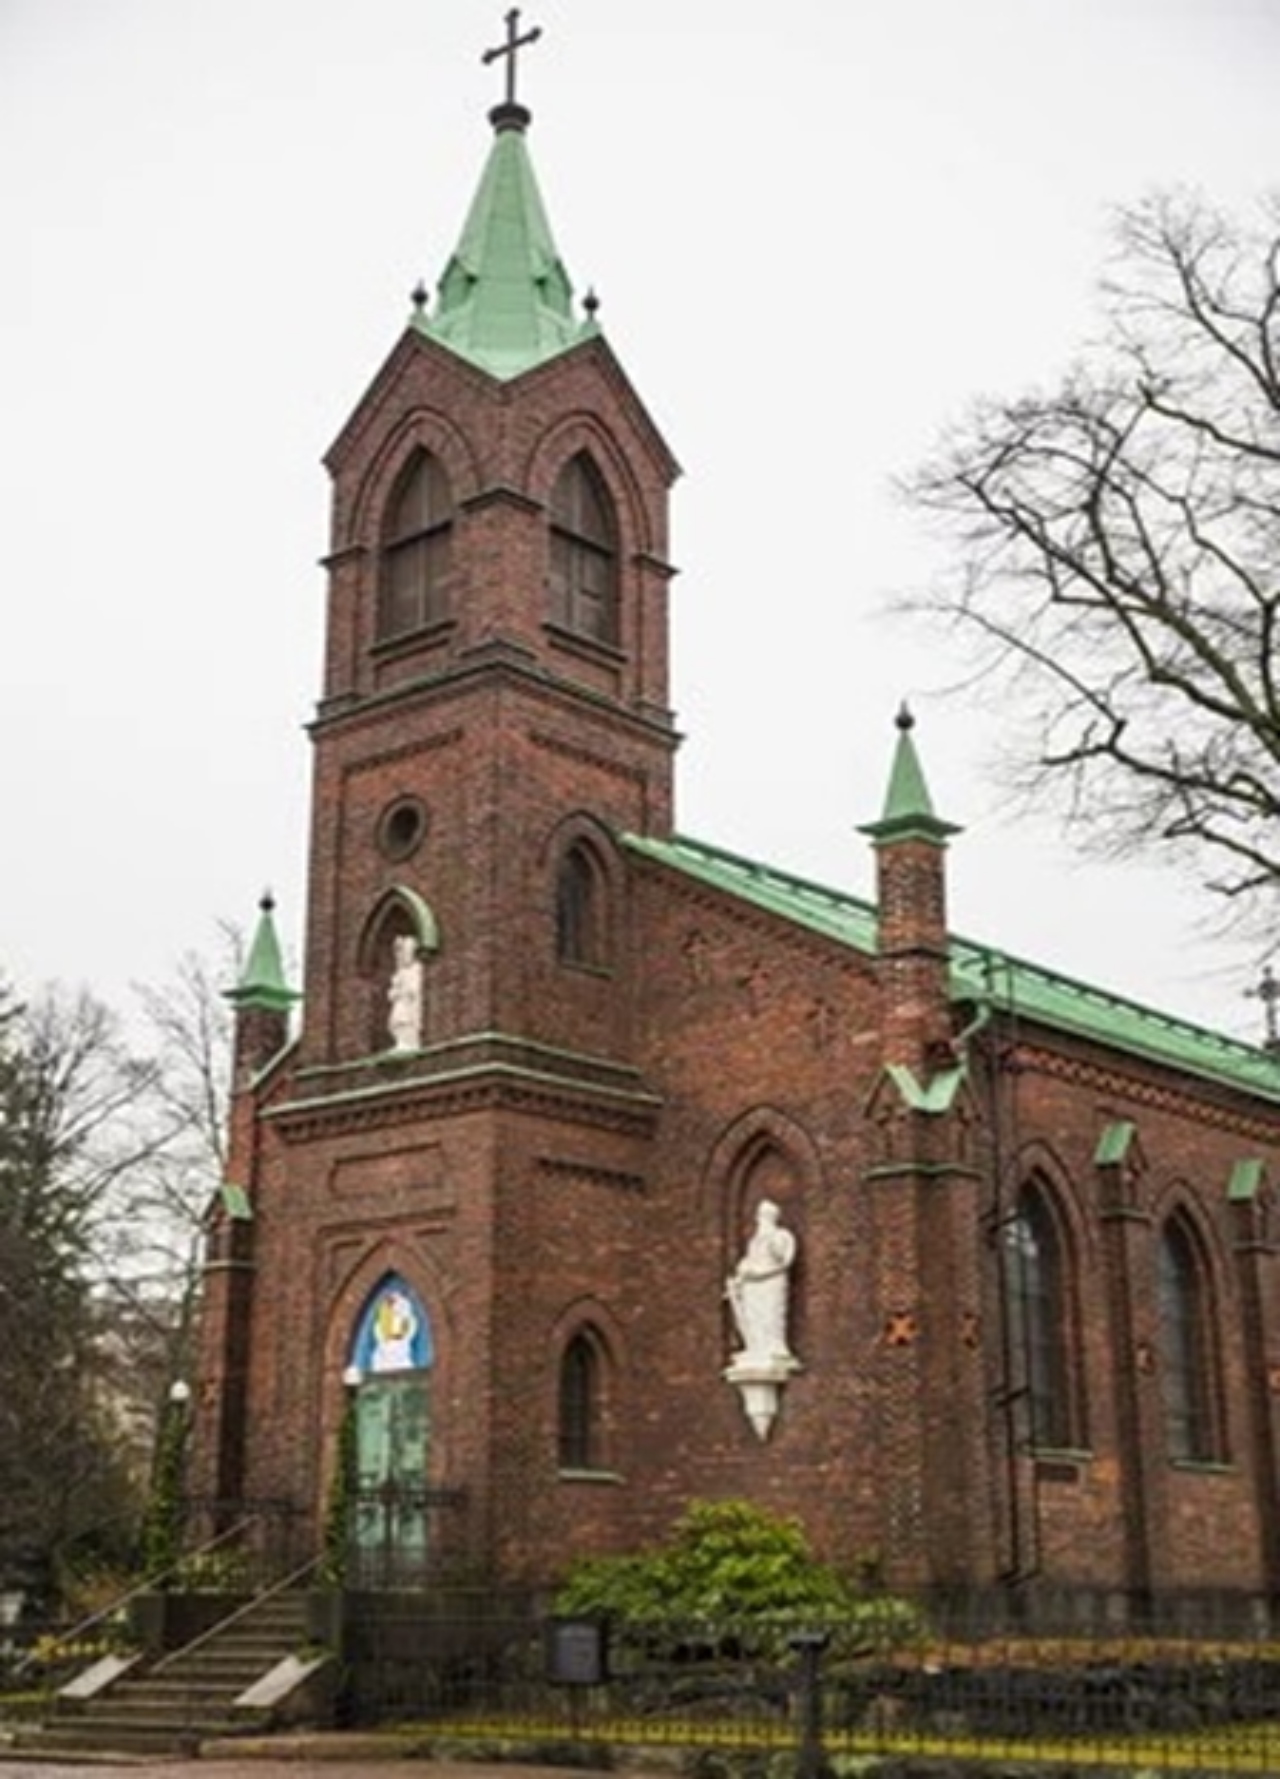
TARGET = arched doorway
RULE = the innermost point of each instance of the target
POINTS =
(389, 1371)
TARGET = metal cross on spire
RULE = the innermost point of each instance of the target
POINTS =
(509, 50)
(1268, 992)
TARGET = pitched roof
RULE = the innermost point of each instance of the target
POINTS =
(908, 812)
(505, 299)
(983, 973)
(262, 981)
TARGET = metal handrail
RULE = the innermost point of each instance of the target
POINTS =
(259, 1599)
(144, 1586)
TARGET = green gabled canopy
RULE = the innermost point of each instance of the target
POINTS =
(908, 807)
(262, 983)
(505, 300)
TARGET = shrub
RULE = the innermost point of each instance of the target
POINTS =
(734, 1578)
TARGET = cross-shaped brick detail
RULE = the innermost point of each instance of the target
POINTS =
(900, 1328)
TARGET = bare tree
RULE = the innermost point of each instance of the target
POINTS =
(188, 1026)
(110, 1150)
(73, 1126)
(1118, 563)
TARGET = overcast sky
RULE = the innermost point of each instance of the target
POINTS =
(818, 231)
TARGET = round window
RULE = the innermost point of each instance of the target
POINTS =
(401, 828)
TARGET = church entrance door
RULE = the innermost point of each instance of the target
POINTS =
(390, 1531)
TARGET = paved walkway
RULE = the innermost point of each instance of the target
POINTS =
(330, 1757)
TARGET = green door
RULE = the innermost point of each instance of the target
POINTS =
(391, 1480)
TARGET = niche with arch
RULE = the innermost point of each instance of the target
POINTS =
(399, 942)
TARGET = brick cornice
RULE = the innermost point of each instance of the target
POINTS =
(494, 1086)
(462, 678)
(1117, 1082)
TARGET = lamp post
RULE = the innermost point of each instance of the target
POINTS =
(162, 1529)
(808, 1647)
(339, 1525)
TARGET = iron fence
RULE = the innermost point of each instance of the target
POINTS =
(240, 1545)
(404, 1536)
(914, 1678)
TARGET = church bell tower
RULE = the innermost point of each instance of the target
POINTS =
(418, 1174)
(495, 687)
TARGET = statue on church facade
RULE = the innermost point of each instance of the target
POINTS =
(759, 1294)
(759, 1288)
(404, 995)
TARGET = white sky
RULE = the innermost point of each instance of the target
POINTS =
(818, 229)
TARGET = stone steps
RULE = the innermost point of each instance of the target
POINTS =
(187, 1696)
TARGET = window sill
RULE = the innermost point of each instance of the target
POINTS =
(590, 1476)
(582, 968)
(1065, 1465)
(1203, 1466)
(577, 642)
(406, 641)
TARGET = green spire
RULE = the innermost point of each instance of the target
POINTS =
(505, 300)
(908, 807)
(262, 984)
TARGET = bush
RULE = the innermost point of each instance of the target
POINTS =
(735, 1578)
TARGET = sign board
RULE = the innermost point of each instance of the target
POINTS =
(577, 1651)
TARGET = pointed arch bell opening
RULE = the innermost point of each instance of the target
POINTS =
(417, 542)
(583, 582)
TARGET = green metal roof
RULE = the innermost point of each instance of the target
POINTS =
(981, 973)
(1246, 1180)
(235, 1202)
(908, 807)
(1114, 1143)
(505, 300)
(262, 983)
(937, 1096)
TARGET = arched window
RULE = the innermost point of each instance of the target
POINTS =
(584, 553)
(580, 909)
(1041, 1325)
(1186, 1354)
(388, 1374)
(579, 1421)
(415, 550)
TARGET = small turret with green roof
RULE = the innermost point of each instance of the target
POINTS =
(262, 986)
(911, 914)
(261, 999)
(908, 808)
(506, 301)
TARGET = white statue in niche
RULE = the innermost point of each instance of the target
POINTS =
(759, 1288)
(758, 1291)
(404, 995)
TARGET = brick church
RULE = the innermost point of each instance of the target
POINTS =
(606, 1169)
